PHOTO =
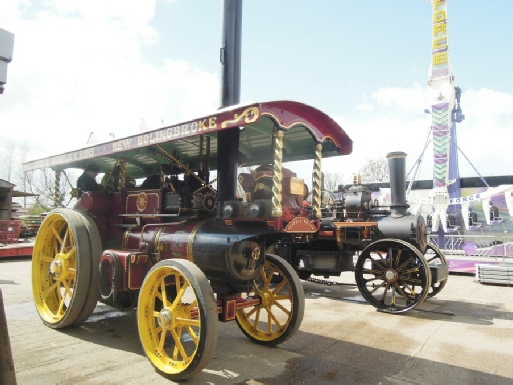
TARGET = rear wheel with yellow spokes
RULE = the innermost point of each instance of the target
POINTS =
(282, 304)
(64, 268)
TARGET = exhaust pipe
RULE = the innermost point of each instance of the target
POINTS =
(397, 169)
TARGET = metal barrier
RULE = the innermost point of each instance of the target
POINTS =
(478, 246)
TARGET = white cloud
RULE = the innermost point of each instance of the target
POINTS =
(77, 68)
(365, 107)
(404, 100)
(397, 123)
(485, 134)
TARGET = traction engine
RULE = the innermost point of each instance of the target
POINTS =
(395, 268)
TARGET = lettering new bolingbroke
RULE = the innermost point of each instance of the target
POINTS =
(120, 145)
(176, 132)
(166, 134)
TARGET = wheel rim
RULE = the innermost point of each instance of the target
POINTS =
(435, 257)
(60, 268)
(93, 259)
(173, 321)
(282, 304)
(393, 276)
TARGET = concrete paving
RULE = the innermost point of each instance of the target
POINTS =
(464, 335)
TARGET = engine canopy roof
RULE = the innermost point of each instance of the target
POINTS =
(304, 126)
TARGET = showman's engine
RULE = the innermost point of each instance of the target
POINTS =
(351, 222)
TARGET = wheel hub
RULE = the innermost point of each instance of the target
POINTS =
(267, 299)
(165, 318)
(57, 266)
(391, 275)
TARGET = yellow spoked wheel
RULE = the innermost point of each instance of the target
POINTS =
(64, 268)
(177, 318)
(282, 306)
(392, 275)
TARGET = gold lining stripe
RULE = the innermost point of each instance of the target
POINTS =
(158, 232)
(126, 234)
(191, 241)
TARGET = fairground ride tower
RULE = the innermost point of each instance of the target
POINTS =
(445, 113)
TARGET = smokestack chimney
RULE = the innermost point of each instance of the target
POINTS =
(397, 169)
(230, 53)
(228, 140)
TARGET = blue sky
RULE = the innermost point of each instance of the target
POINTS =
(114, 66)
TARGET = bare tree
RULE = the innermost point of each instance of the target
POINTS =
(21, 157)
(38, 182)
(42, 184)
(332, 180)
(8, 160)
(375, 170)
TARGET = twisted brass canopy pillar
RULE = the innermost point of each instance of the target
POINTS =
(277, 178)
(316, 183)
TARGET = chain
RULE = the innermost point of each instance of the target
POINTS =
(209, 186)
(322, 281)
(329, 283)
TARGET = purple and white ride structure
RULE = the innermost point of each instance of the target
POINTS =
(446, 112)
(442, 95)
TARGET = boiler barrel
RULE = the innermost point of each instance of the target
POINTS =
(226, 254)
(409, 228)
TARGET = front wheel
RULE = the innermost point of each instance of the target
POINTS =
(282, 306)
(392, 275)
(177, 319)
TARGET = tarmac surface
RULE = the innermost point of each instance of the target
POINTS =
(464, 335)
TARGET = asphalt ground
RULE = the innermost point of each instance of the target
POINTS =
(464, 335)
